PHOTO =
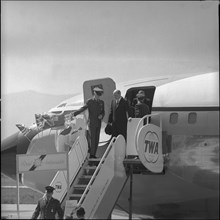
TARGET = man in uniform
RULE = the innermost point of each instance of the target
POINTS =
(96, 110)
(47, 206)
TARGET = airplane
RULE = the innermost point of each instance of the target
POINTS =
(188, 106)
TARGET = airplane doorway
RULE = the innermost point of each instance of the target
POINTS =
(132, 92)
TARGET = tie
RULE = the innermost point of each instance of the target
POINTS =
(117, 102)
(47, 201)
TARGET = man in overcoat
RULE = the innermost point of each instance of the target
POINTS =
(118, 115)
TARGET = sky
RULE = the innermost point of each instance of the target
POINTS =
(54, 46)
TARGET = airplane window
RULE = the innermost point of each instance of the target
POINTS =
(192, 117)
(173, 118)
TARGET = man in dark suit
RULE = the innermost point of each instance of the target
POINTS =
(96, 110)
(118, 115)
(141, 109)
(47, 206)
(140, 93)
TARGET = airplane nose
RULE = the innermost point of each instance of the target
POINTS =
(17, 143)
(8, 155)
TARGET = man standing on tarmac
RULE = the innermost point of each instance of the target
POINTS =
(96, 110)
(47, 206)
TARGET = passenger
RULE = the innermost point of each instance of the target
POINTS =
(47, 206)
(118, 115)
(130, 108)
(135, 100)
(96, 110)
(141, 109)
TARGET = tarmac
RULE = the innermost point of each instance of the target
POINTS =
(9, 211)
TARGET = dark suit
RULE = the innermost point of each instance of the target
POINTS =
(48, 210)
(118, 118)
(95, 108)
(135, 101)
(141, 109)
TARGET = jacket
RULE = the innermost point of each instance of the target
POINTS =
(48, 211)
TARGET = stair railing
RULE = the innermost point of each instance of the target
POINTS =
(75, 150)
(96, 171)
(148, 122)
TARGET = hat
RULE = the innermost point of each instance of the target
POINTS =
(97, 89)
(49, 189)
(80, 211)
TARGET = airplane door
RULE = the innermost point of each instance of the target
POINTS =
(132, 125)
(108, 85)
(149, 94)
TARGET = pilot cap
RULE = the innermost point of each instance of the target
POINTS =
(97, 89)
(49, 189)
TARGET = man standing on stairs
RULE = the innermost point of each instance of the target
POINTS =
(47, 206)
(119, 115)
(96, 110)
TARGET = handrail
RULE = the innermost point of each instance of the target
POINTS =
(72, 176)
(58, 114)
(96, 171)
(146, 116)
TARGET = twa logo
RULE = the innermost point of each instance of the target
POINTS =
(151, 151)
(149, 147)
(58, 187)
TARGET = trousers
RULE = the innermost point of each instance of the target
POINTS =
(94, 133)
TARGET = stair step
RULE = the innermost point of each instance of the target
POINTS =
(94, 159)
(75, 195)
(80, 186)
(90, 168)
(86, 177)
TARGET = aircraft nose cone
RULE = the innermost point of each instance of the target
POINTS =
(9, 142)
(8, 155)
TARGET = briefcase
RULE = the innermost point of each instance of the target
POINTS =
(108, 129)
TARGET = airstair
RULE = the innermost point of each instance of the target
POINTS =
(96, 184)
(100, 181)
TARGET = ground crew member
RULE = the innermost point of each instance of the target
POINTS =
(96, 110)
(47, 206)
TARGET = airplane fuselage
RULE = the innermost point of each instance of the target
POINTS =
(189, 110)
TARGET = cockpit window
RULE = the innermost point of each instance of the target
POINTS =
(61, 105)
